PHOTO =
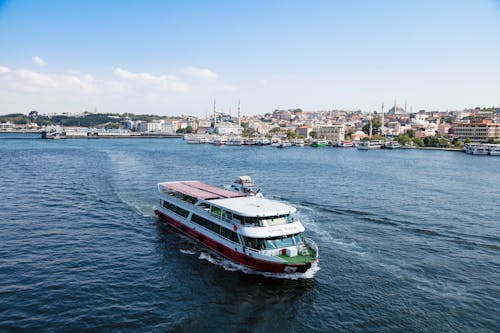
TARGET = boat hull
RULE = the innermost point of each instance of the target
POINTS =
(232, 254)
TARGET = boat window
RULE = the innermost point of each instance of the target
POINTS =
(178, 210)
(298, 239)
(239, 218)
(216, 211)
(272, 243)
(205, 206)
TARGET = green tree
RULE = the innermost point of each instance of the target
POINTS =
(404, 140)
(313, 134)
(291, 134)
(376, 126)
(418, 142)
(112, 126)
(410, 133)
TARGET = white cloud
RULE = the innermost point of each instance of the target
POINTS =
(159, 82)
(201, 73)
(39, 61)
(121, 89)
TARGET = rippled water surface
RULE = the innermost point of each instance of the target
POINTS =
(409, 240)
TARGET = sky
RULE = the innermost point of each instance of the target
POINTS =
(176, 57)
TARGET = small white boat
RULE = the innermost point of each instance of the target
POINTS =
(285, 144)
(245, 185)
(298, 142)
(275, 142)
(392, 145)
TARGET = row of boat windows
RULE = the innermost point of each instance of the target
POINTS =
(272, 243)
(178, 210)
(225, 215)
(224, 232)
(257, 221)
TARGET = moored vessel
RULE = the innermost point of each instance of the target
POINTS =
(253, 231)
(319, 143)
(372, 144)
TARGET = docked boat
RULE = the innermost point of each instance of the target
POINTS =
(298, 142)
(319, 143)
(494, 149)
(263, 142)
(245, 185)
(196, 139)
(476, 148)
(275, 142)
(234, 141)
(249, 142)
(372, 144)
(219, 141)
(345, 144)
(285, 144)
(256, 232)
(392, 145)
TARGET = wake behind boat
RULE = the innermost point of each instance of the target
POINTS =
(253, 231)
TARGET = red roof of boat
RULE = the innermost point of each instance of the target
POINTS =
(201, 190)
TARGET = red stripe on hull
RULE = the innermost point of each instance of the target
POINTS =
(227, 252)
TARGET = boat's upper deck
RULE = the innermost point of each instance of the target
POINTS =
(230, 201)
(199, 190)
(254, 206)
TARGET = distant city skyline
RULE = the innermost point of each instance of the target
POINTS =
(173, 58)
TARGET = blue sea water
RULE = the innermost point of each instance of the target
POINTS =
(409, 240)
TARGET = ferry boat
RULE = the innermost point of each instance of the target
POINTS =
(476, 148)
(372, 144)
(494, 149)
(245, 185)
(319, 143)
(256, 232)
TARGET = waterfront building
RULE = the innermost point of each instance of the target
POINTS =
(303, 131)
(168, 127)
(332, 133)
(481, 130)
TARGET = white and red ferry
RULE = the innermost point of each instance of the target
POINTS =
(253, 231)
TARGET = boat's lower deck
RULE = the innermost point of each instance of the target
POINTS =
(300, 258)
(301, 263)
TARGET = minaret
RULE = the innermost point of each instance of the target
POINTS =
(215, 115)
(239, 116)
(405, 107)
(371, 128)
(382, 127)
